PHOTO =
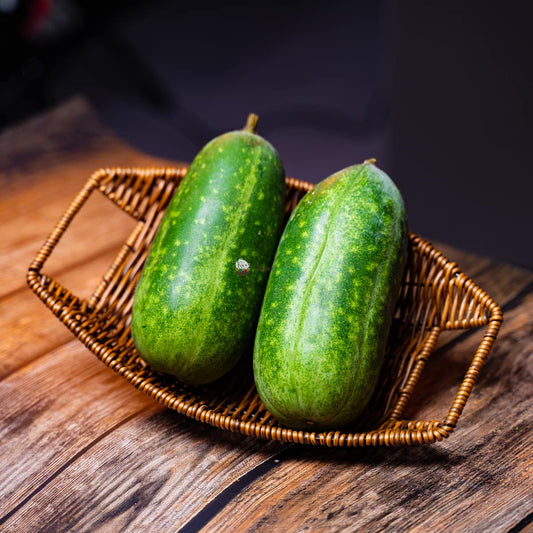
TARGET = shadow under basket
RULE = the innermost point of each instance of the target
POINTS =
(435, 296)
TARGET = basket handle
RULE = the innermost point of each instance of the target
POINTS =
(60, 228)
(479, 360)
(34, 276)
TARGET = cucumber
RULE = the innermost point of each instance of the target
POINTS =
(330, 299)
(199, 295)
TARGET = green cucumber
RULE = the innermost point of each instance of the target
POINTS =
(199, 296)
(330, 299)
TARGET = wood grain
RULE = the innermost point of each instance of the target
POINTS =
(81, 450)
(85, 440)
(45, 423)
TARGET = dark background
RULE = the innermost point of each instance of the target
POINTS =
(438, 92)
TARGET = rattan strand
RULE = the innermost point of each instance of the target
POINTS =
(435, 296)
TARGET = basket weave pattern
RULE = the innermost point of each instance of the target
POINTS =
(435, 296)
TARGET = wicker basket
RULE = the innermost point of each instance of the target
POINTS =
(435, 296)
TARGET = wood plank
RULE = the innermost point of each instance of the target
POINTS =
(52, 409)
(155, 470)
(104, 453)
(478, 480)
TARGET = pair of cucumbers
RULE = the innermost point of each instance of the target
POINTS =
(318, 295)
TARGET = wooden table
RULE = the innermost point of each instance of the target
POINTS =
(82, 450)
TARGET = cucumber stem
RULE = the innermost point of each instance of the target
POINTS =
(251, 123)
(370, 161)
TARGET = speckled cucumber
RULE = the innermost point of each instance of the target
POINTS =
(194, 312)
(330, 298)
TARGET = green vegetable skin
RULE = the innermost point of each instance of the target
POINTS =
(330, 298)
(193, 315)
